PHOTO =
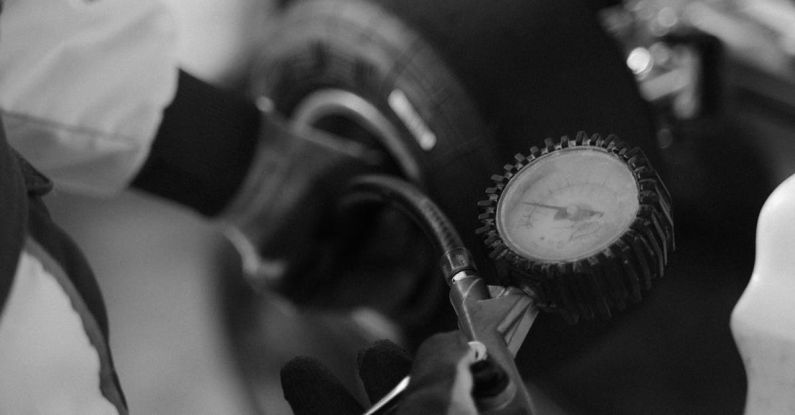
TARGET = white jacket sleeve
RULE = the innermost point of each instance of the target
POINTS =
(83, 84)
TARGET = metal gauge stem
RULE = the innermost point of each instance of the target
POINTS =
(584, 224)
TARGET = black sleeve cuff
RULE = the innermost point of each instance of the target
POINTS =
(203, 148)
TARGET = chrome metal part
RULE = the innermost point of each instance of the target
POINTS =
(330, 102)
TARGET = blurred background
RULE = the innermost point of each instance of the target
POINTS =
(725, 94)
(156, 263)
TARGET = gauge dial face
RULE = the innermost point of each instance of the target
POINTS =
(567, 205)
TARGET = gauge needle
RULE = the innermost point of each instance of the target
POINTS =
(573, 213)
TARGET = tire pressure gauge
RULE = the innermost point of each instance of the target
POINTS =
(585, 225)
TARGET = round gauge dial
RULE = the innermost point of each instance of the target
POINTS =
(586, 225)
(568, 205)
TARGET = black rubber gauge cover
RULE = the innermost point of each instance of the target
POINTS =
(600, 282)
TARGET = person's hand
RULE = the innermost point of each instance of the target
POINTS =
(441, 380)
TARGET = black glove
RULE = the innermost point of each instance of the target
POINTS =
(441, 380)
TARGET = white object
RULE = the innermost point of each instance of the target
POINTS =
(48, 362)
(83, 84)
(763, 321)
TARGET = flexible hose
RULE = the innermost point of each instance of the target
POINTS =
(423, 211)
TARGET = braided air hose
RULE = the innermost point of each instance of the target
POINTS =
(422, 211)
